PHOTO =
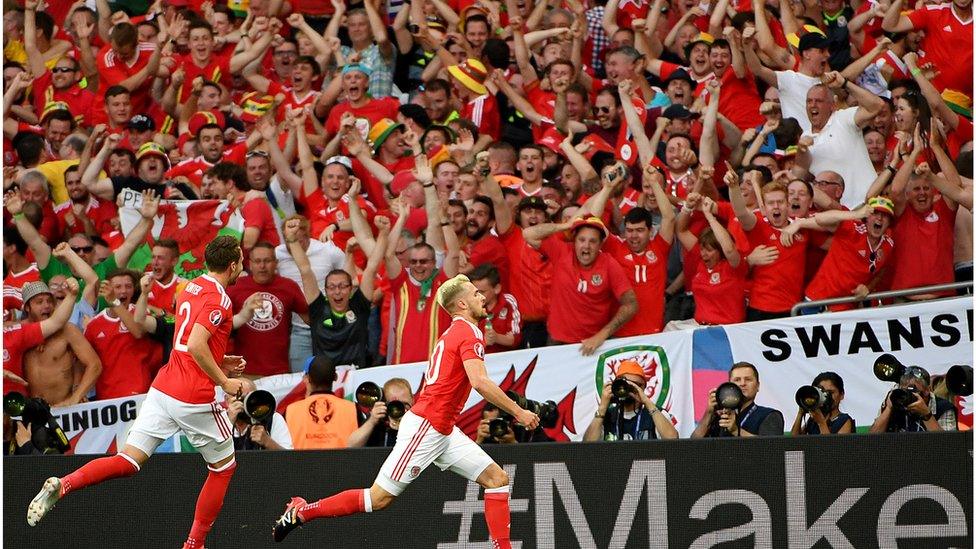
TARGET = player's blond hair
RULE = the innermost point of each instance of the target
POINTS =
(449, 291)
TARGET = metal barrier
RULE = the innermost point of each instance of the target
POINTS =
(881, 295)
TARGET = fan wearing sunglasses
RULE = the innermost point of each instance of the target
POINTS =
(862, 245)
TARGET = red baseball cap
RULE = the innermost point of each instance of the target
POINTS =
(401, 181)
(551, 140)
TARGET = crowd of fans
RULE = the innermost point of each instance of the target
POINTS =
(597, 170)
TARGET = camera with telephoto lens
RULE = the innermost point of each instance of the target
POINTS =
(46, 435)
(621, 391)
(369, 393)
(259, 406)
(547, 411)
(902, 397)
(811, 397)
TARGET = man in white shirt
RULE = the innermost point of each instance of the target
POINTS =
(793, 85)
(324, 257)
(838, 140)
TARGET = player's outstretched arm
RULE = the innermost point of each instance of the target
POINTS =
(478, 376)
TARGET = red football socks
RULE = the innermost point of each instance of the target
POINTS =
(209, 502)
(498, 517)
(99, 470)
(344, 503)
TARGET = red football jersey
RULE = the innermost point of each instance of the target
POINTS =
(17, 339)
(505, 319)
(530, 275)
(127, 361)
(164, 295)
(202, 302)
(925, 242)
(648, 272)
(720, 292)
(446, 385)
(417, 321)
(778, 286)
(112, 71)
(948, 44)
(851, 261)
(483, 111)
(100, 212)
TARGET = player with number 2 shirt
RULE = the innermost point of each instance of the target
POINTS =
(428, 433)
(182, 397)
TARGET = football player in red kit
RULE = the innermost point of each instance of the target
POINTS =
(181, 397)
(428, 433)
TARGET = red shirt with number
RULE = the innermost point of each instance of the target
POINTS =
(13, 285)
(127, 361)
(583, 299)
(505, 319)
(720, 292)
(850, 262)
(530, 275)
(17, 339)
(948, 44)
(417, 320)
(112, 70)
(446, 386)
(483, 111)
(648, 273)
(777, 287)
(163, 296)
(205, 303)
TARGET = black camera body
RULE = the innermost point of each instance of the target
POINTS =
(46, 435)
(902, 398)
(811, 397)
(369, 393)
(547, 411)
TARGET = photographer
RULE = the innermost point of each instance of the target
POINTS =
(911, 407)
(491, 430)
(826, 419)
(633, 417)
(749, 419)
(271, 434)
(17, 438)
(379, 429)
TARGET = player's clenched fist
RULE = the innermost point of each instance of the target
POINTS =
(527, 419)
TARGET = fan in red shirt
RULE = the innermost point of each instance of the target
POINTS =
(19, 338)
(83, 213)
(502, 328)
(229, 181)
(428, 433)
(739, 100)
(182, 398)
(779, 285)
(948, 42)
(479, 106)
(592, 297)
(644, 258)
(166, 284)
(367, 110)
(482, 246)
(859, 250)
(131, 64)
(210, 141)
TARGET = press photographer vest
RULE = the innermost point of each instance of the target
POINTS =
(753, 416)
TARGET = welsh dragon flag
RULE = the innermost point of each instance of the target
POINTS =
(191, 223)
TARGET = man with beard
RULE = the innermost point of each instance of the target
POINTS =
(482, 246)
(83, 213)
(778, 285)
(859, 250)
(259, 221)
(50, 368)
(263, 341)
(503, 327)
(166, 285)
(151, 164)
(366, 109)
(210, 141)
(592, 297)
(838, 136)
(437, 101)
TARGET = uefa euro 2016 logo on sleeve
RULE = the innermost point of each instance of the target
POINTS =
(651, 358)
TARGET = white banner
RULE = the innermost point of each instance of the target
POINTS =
(572, 381)
(791, 352)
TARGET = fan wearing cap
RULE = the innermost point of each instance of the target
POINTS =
(948, 42)
(587, 285)
(860, 249)
(699, 66)
(634, 418)
(18, 338)
(925, 413)
(367, 109)
(793, 85)
(478, 105)
(151, 165)
(141, 128)
(370, 41)
(50, 368)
